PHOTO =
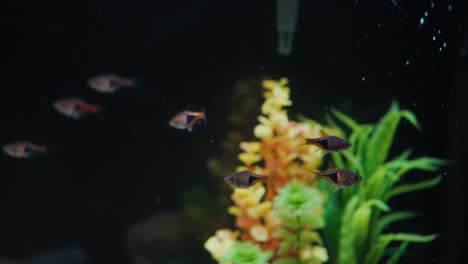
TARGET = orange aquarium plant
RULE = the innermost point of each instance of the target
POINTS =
(276, 223)
(279, 222)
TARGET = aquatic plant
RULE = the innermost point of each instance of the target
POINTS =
(356, 217)
(283, 219)
(259, 213)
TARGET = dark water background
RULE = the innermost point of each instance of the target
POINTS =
(104, 174)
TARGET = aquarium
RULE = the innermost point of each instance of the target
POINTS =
(246, 132)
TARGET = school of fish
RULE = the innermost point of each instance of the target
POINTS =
(339, 178)
(76, 108)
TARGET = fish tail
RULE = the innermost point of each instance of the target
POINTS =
(133, 83)
(40, 148)
(90, 108)
(261, 178)
(303, 142)
(205, 121)
(312, 141)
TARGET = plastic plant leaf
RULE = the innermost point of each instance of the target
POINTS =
(388, 219)
(353, 162)
(377, 203)
(309, 237)
(423, 163)
(285, 261)
(408, 115)
(382, 138)
(400, 158)
(348, 121)
(361, 219)
(338, 160)
(284, 246)
(377, 250)
(397, 254)
(404, 188)
(345, 247)
(362, 143)
(360, 225)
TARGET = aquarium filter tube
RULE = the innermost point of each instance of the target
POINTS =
(286, 19)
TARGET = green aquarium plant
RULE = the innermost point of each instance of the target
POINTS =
(356, 217)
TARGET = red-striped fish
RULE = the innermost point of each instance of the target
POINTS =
(187, 119)
(244, 179)
(340, 178)
(109, 83)
(22, 149)
(75, 107)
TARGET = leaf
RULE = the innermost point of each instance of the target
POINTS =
(360, 224)
(331, 122)
(388, 219)
(284, 246)
(375, 183)
(382, 139)
(423, 163)
(404, 188)
(377, 203)
(338, 160)
(285, 261)
(376, 252)
(309, 237)
(348, 121)
(400, 158)
(397, 254)
(346, 253)
(408, 115)
(354, 162)
(362, 142)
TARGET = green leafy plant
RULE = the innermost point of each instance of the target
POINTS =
(295, 206)
(246, 253)
(356, 217)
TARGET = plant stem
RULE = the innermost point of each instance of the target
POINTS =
(298, 237)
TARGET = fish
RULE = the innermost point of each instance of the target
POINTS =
(187, 119)
(329, 143)
(75, 107)
(110, 83)
(22, 149)
(244, 179)
(340, 178)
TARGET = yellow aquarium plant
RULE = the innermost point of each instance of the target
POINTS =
(277, 224)
(283, 221)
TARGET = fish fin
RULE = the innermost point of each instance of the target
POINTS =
(323, 133)
(41, 149)
(328, 179)
(315, 172)
(303, 143)
(134, 83)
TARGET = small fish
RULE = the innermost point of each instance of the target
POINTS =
(340, 178)
(186, 119)
(109, 83)
(329, 143)
(22, 149)
(75, 107)
(244, 179)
